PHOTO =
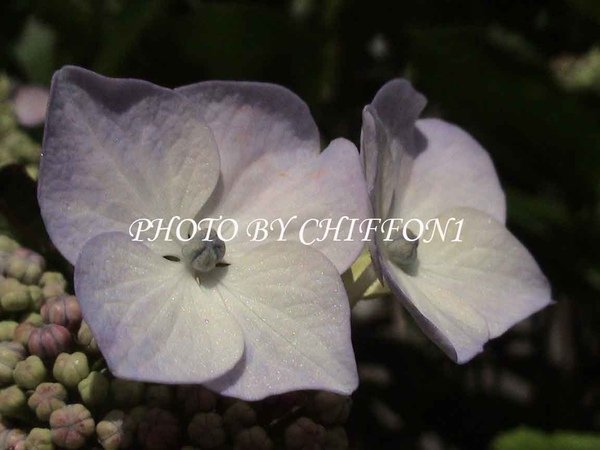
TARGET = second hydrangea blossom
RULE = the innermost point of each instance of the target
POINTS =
(461, 293)
(272, 316)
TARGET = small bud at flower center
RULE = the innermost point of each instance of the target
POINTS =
(402, 251)
(201, 255)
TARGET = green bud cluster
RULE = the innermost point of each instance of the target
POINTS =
(57, 392)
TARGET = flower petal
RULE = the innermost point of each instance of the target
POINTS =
(116, 150)
(390, 141)
(152, 320)
(292, 307)
(250, 120)
(326, 186)
(452, 171)
(465, 293)
(271, 167)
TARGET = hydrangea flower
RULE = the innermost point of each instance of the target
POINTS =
(461, 293)
(249, 320)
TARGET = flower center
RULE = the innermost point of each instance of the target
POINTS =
(402, 250)
(203, 255)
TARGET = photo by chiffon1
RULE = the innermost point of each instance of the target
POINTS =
(367, 246)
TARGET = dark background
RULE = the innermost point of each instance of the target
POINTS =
(523, 77)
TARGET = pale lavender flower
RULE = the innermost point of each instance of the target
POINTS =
(276, 318)
(461, 293)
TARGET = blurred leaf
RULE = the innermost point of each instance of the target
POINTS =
(529, 439)
(35, 51)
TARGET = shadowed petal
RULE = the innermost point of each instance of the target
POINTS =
(453, 171)
(116, 150)
(250, 120)
(390, 141)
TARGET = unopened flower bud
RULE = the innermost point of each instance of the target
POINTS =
(70, 369)
(94, 389)
(329, 408)
(85, 339)
(16, 300)
(126, 393)
(39, 439)
(22, 332)
(7, 330)
(53, 284)
(47, 398)
(10, 354)
(115, 431)
(196, 398)
(7, 244)
(238, 416)
(304, 434)
(25, 265)
(62, 310)
(10, 285)
(207, 430)
(71, 425)
(255, 438)
(36, 296)
(135, 416)
(336, 439)
(12, 402)
(159, 430)
(12, 439)
(30, 373)
(159, 395)
(33, 318)
(49, 341)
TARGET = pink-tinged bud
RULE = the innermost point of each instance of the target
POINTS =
(255, 438)
(196, 399)
(30, 103)
(304, 434)
(329, 408)
(71, 426)
(238, 416)
(62, 310)
(12, 439)
(23, 331)
(159, 430)
(49, 341)
(47, 398)
(207, 430)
